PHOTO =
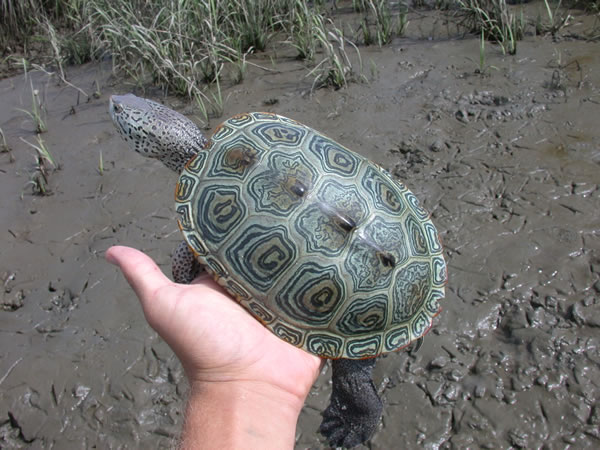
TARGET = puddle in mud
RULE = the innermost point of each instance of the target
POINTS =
(507, 163)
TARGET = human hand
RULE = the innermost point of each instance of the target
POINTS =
(214, 337)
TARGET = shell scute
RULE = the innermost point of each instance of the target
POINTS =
(235, 158)
(312, 295)
(282, 185)
(333, 157)
(366, 347)
(273, 132)
(219, 209)
(261, 255)
(288, 333)
(382, 192)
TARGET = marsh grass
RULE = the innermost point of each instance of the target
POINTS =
(378, 14)
(555, 19)
(304, 25)
(495, 20)
(335, 68)
(56, 50)
(197, 48)
(359, 5)
(255, 22)
(16, 20)
(188, 45)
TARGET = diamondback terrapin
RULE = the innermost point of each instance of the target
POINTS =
(321, 245)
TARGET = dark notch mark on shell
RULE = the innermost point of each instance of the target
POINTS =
(342, 220)
(298, 188)
(387, 259)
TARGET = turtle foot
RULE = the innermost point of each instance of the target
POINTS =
(185, 267)
(355, 409)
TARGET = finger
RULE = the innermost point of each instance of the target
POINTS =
(203, 278)
(140, 271)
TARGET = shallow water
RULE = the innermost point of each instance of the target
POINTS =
(507, 162)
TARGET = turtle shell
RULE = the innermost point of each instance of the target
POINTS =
(321, 245)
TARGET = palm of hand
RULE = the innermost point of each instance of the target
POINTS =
(215, 338)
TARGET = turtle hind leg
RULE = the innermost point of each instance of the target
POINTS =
(185, 267)
(355, 408)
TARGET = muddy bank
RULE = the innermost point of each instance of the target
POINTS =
(507, 162)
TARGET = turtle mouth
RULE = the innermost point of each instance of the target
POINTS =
(112, 113)
(114, 110)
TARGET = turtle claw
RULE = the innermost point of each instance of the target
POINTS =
(346, 435)
(355, 409)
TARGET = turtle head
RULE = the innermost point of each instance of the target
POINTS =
(156, 131)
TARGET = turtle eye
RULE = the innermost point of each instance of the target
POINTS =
(117, 107)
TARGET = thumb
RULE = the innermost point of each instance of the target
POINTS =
(140, 271)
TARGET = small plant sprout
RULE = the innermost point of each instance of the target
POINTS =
(36, 111)
(38, 180)
(101, 164)
(97, 94)
(482, 67)
(482, 53)
(44, 163)
(4, 148)
(44, 156)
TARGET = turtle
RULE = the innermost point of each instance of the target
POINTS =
(321, 245)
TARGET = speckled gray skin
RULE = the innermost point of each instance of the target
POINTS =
(158, 132)
(184, 265)
(155, 131)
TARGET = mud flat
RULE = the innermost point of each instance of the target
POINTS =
(508, 162)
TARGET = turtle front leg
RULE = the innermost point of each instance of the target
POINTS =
(185, 267)
(355, 409)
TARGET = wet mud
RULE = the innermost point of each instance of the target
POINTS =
(507, 161)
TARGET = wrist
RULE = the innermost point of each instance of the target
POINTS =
(240, 414)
